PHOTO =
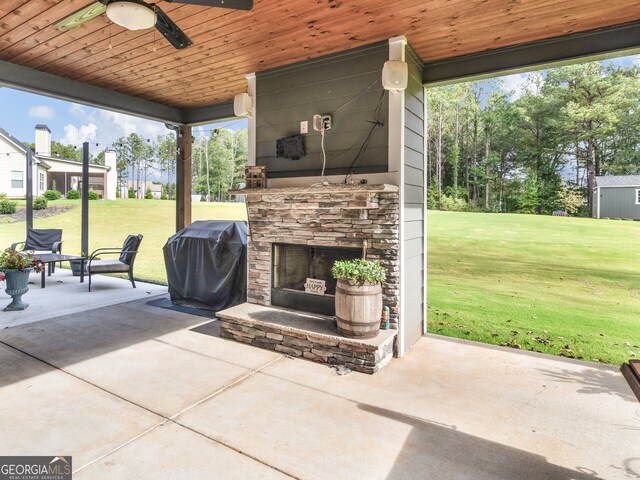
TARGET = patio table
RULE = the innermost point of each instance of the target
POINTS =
(50, 258)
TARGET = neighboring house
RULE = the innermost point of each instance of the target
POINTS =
(141, 188)
(65, 173)
(156, 190)
(13, 168)
(617, 196)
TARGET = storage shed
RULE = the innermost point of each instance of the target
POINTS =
(617, 196)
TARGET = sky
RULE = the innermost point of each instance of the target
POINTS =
(515, 83)
(73, 124)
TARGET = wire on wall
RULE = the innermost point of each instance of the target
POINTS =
(363, 147)
(324, 158)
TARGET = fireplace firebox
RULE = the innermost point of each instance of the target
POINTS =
(295, 266)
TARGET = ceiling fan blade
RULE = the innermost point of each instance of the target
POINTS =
(81, 17)
(170, 30)
(234, 4)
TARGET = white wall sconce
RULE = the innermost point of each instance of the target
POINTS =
(242, 105)
(395, 75)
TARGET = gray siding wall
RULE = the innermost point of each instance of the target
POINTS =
(286, 96)
(413, 207)
(619, 202)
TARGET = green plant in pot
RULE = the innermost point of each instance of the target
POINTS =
(358, 297)
(16, 267)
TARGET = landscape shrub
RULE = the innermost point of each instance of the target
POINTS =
(73, 194)
(583, 211)
(7, 207)
(132, 193)
(93, 196)
(52, 195)
(453, 204)
(40, 203)
(148, 195)
(3, 195)
(432, 196)
(570, 199)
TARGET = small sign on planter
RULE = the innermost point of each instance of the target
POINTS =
(315, 286)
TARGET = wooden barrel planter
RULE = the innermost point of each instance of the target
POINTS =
(358, 309)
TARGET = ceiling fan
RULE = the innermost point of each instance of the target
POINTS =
(139, 15)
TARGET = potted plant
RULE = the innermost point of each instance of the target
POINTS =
(16, 267)
(358, 297)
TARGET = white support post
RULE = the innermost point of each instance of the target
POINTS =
(397, 48)
(396, 110)
(425, 166)
(251, 133)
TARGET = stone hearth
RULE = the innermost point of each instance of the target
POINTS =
(338, 216)
(309, 336)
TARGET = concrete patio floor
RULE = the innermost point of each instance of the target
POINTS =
(136, 391)
(64, 294)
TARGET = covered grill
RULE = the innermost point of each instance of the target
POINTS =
(206, 264)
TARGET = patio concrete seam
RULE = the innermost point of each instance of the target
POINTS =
(199, 402)
(82, 379)
(128, 442)
(164, 418)
(231, 447)
(226, 387)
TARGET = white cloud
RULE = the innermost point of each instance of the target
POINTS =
(78, 111)
(515, 85)
(105, 127)
(42, 111)
(75, 136)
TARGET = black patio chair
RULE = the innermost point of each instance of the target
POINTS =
(41, 241)
(123, 264)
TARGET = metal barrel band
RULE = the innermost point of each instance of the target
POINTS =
(357, 324)
(355, 293)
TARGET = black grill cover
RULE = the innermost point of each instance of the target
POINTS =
(206, 264)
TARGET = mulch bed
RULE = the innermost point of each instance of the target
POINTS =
(21, 213)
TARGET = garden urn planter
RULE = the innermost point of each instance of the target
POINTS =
(76, 267)
(358, 309)
(17, 285)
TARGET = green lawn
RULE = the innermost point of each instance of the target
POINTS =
(566, 286)
(111, 221)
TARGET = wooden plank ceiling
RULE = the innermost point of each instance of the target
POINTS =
(228, 44)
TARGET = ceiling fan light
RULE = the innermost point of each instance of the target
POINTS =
(131, 16)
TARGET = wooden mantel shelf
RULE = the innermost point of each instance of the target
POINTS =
(332, 188)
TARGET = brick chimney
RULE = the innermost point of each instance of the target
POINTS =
(43, 140)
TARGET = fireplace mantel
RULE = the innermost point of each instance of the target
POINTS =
(320, 189)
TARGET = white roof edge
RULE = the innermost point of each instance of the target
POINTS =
(73, 162)
(637, 185)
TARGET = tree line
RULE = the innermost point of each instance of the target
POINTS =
(538, 153)
(218, 159)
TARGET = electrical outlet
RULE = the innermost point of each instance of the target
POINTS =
(327, 122)
(304, 127)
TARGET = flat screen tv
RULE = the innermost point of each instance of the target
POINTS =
(290, 147)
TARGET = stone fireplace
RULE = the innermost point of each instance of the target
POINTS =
(296, 233)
